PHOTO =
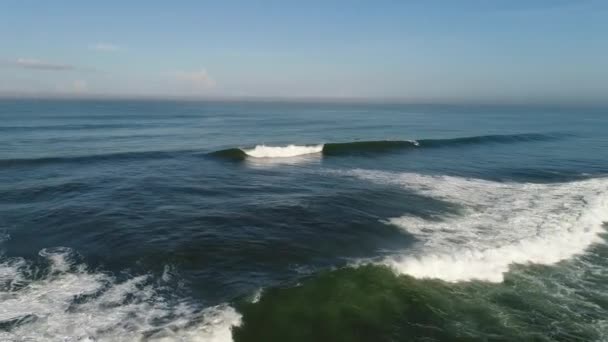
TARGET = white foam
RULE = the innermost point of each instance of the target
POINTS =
(257, 295)
(499, 224)
(73, 304)
(263, 151)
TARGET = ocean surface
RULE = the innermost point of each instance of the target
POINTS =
(125, 220)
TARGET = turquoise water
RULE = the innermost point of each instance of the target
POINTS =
(257, 221)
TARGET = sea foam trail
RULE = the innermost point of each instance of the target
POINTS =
(500, 224)
(71, 303)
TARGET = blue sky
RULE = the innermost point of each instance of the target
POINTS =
(514, 51)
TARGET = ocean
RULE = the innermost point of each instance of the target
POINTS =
(143, 220)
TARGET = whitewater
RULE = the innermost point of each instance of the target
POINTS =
(263, 151)
(498, 224)
(69, 302)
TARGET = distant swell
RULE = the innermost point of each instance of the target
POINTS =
(374, 146)
(488, 139)
(88, 158)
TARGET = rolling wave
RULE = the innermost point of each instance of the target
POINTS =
(263, 151)
(374, 146)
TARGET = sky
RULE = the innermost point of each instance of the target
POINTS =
(486, 51)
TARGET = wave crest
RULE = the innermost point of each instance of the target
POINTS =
(263, 151)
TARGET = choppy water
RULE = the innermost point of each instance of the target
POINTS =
(210, 221)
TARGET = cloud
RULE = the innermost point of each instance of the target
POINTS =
(30, 63)
(106, 47)
(198, 79)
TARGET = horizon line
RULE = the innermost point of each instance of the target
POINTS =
(293, 99)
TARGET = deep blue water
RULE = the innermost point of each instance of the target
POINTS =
(143, 220)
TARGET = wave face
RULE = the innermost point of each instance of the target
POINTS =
(373, 147)
(230, 154)
(380, 146)
(500, 224)
(70, 302)
(364, 147)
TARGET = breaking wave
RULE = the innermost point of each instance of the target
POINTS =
(499, 224)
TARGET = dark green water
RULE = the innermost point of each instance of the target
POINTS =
(209, 221)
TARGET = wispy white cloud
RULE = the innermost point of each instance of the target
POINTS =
(31, 63)
(198, 79)
(106, 47)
